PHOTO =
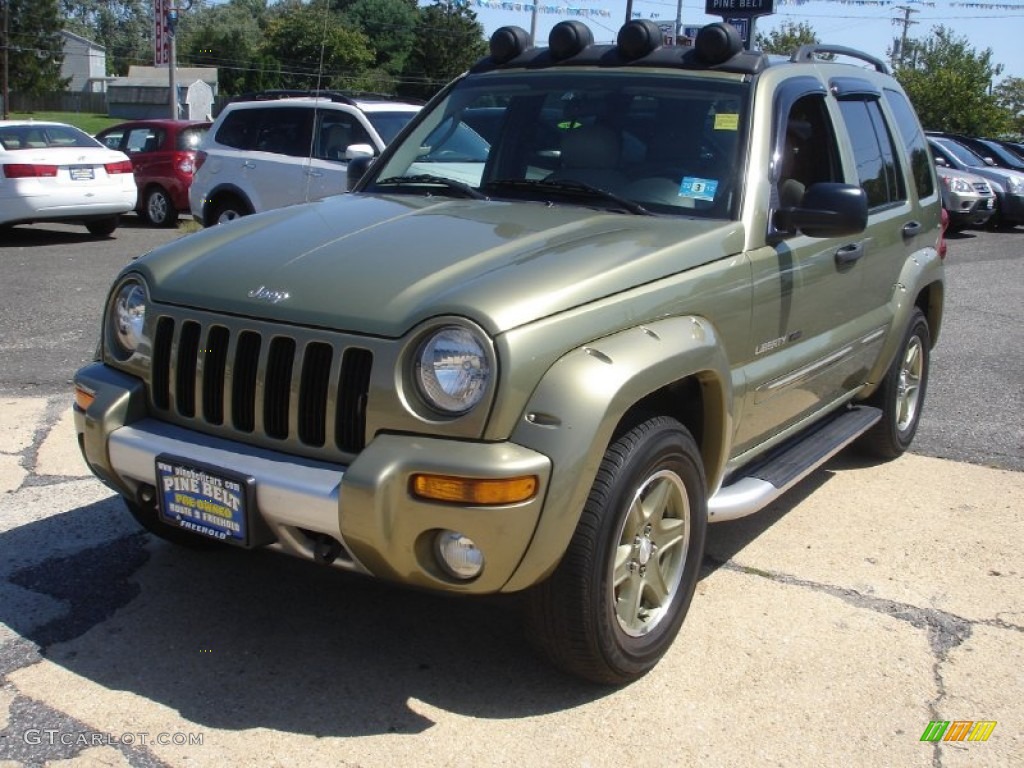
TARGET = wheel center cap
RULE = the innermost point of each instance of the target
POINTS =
(644, 551)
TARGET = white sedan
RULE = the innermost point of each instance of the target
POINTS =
(55, 172)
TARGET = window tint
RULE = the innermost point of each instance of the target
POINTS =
(191, 138)
(143, 140)
(285, 131)
(877, 165)
(917, 145)
(388, 124)
(337, 131)
(810, 154)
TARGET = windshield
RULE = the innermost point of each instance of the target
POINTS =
(961, 153)
(388, 124)
(42, 135)
(635, 141)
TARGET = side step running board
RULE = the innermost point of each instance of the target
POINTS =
(769, 480)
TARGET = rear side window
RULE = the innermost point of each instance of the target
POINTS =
(917, 145)
(191, 138)
(280, 130)
(877, 164)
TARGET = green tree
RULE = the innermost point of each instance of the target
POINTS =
(231, 38)
(1010, 96)
(123, 27)
(786, 39)
(390, 26)
(949, 84)
(34, 46)
(316, 49)
(448, 41)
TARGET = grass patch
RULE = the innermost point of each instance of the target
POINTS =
(90, 123)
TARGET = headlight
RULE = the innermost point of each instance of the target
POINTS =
(960, 185)
(127, 317)
(453, 370)
(1014, 185)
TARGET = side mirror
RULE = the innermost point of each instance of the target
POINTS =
(357, 168)
(941, 161)
(352, 151)
(826, 210)
(989, 161)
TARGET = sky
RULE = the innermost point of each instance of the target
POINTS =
(864, 24)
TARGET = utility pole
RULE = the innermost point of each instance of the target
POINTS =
(172, 64)
(905, 22)
(7, 45)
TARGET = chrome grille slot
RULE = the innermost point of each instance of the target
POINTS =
(277, 386)
(293, 389)
(243, 400)
(187, 364)
(316, 373)
(215, 360)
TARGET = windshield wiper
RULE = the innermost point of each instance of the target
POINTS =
(568, 188)
(426, 178)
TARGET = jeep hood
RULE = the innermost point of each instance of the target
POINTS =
(379, 265)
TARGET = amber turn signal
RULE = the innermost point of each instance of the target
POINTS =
(83, 398)
(470, 490)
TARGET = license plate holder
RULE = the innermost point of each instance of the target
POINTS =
(205, 500)
(81, 173)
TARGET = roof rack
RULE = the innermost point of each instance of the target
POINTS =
(346, 97)
(808, 52)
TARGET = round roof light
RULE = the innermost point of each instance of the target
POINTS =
(718, 42)
(508, 42)
(638, 38)
(567, 38)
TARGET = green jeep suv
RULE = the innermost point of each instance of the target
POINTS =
(591, 298)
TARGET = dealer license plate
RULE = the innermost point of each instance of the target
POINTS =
(208, 501)
(81, 172)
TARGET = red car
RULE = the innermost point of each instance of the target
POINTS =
(163, 159)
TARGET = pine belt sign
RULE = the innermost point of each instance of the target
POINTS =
(161, 33)
(739, 8)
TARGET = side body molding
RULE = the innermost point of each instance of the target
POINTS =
(572, 416)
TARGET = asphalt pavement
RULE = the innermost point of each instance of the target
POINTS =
(830, 629)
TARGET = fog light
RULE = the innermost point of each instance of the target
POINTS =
(458, 555)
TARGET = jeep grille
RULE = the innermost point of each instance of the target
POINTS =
(300, 389)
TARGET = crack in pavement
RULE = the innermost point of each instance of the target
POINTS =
(945, 630)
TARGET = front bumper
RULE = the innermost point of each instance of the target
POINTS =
(366, 506)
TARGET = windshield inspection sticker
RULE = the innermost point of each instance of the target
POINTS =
(698, 189)
(727, 121)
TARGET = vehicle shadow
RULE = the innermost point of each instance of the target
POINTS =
(235, 640)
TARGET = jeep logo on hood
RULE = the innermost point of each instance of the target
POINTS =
(268, 294)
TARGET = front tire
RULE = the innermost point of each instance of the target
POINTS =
(103, 227)
(615, 603)
(900, 396)
(158, 208)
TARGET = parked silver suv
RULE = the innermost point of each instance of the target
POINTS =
(278, 148)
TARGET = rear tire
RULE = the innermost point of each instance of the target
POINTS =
(103, 227)
(158, 209)
(615, 603)
(228, 209)
(900, 396)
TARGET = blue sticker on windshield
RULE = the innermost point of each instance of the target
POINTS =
(699, 189)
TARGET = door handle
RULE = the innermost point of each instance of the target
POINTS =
(249, 164)
(911, 229)
(314, 173)
(848, 254)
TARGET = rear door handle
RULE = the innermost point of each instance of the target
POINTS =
(911, 229)
(314, 173)
(249, 164)
(849, 254)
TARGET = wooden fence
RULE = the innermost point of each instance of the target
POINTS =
(59, 101)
